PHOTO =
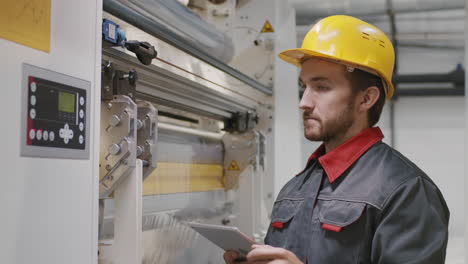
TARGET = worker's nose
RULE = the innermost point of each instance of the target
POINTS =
(307, 101)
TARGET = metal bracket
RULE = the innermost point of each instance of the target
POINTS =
(125, 83)
(117, 82)
(240, 151)
(107, 80)
(241, 122)
(261, 154)
(118, 142)
(147, 136)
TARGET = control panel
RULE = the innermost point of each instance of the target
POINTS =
(55, 119)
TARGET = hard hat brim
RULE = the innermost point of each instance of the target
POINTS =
(297, 56)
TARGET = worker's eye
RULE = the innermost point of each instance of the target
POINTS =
(322, 88)
(301, 84)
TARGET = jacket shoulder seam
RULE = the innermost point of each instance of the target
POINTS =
(399, 156)
(407, 179)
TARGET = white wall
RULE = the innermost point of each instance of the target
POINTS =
(287, 161)
(49, 206)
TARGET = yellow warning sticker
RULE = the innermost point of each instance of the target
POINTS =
(233, 166)
(26, 22)
(267, 27)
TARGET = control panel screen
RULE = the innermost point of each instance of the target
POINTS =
(66, 102)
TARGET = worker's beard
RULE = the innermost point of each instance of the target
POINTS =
(320, 129)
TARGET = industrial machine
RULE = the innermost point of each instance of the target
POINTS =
(161, 113)
(203, 149)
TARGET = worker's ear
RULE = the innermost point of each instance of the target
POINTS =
(369, 97)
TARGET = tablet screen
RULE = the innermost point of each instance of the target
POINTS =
(225, 237)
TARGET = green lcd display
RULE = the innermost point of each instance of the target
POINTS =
(66, 102)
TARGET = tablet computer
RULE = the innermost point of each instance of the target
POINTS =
(225, 237)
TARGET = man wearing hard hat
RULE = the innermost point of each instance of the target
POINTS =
(357, 200)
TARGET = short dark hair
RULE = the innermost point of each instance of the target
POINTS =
(361, 80)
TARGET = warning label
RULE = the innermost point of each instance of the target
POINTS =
(267, 27)
(233, 166)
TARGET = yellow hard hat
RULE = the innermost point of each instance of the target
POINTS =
(349, 41)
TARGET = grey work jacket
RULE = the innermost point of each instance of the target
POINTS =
(382, 209)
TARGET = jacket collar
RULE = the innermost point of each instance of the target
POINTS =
(337, 161)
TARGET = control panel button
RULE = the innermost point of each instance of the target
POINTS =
(32, 100)
(32, 134)
(51, 135)
(81, 113)
(33, 87)
(45, 135)
(39, 134)
(32, 113)
(81, 139)
(81, 126)
(81, 100)
(66, 133)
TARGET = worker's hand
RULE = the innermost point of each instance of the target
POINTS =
(230, 256)
(271, 255)
(264, 254)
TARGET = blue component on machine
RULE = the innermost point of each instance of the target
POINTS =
(111, 32)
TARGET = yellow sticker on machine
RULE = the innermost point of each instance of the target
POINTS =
(267, 27)
(26, 22)
(171, 177)
(233, 166)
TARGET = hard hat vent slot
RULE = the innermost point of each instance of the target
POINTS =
(365, 36)
(382, 43)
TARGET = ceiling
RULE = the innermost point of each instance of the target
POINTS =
(418, 23)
